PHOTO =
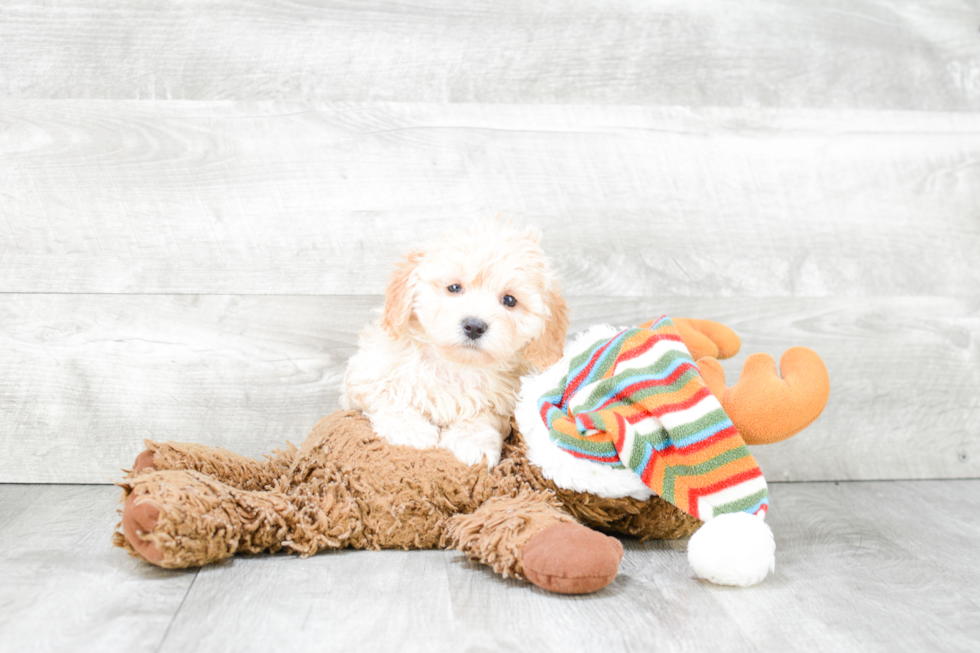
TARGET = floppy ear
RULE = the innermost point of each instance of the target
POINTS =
(547, 349)
(398, 296)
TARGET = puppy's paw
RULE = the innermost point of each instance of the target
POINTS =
(471, 442)
(406, 428)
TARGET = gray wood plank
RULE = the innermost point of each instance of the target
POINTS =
(88, 377)
(845, 580)
(62, 588)
(876, 566)
(84, 378)
(905, 513)
(865, 54)
(286, 198)
(851, 575)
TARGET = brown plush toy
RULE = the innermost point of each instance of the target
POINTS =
(186, 505)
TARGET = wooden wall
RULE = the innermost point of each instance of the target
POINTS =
(200, 202)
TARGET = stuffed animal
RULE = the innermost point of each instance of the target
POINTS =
(625, 435)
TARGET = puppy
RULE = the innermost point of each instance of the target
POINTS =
(464, 318)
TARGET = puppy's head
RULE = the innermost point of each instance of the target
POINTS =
(480, 296)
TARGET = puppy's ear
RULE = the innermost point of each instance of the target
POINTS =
(547, 349)
(398, 296)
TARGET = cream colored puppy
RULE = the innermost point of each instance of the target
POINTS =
(464, 318)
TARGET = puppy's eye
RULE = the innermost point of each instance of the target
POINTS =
(455, 288)
(509, 301)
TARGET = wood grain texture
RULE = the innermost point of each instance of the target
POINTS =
(84, 378)
(62, 588)
(279, 198)
(842, 548)
(862, 54)
(879, 566)
(88, 377)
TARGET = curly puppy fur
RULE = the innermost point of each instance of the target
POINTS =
(465, 317)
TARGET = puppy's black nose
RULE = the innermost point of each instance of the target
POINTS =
(474, 328)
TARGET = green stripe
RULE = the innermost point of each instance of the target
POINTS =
(712, 418)
(604, 387)
(667, 491)
(710, 465)
(640, 444)
(741, 505)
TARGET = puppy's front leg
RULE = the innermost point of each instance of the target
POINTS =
(407, 427)
(471, 439)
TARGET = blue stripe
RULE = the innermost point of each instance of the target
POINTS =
(553, 400)
(550, 415)
(755, 508)
(694, 438)
(611, 350)
(647, 454)
(631, 380)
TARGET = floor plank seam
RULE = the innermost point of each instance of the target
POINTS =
(166, 633)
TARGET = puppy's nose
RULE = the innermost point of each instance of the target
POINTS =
(474, 328)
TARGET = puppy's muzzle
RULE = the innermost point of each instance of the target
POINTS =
(474, 328)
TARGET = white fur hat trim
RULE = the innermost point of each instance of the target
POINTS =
(733, 549)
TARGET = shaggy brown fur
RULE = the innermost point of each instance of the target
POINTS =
(345, 487)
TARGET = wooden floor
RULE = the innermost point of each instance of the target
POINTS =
(200, 204)
(861, 566)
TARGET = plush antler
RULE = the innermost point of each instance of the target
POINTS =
(764, 406)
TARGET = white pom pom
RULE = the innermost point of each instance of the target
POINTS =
(732, 549)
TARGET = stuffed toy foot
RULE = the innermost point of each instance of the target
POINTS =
(530, 536)
(764, 406)
(569, 558)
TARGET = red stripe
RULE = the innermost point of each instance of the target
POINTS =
(683, 405)
(646, 346)
(755, 472)
(694, 447)
(647, 473)
(587, 421)
(649, 383)
(694, 493)
(621, 424)
(572, 385)
(545, 407)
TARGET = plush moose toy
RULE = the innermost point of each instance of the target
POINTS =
(626, 435)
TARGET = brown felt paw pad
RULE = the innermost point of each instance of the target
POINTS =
(144, 461)
(140, 519)
(571, 559)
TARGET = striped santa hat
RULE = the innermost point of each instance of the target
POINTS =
(626, 413)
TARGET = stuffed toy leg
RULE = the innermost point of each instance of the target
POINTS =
(189, 505)
(186, 519)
